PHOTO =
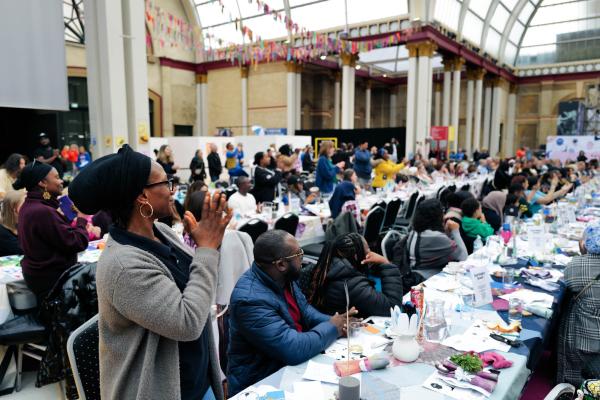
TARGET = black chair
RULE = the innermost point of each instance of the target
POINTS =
(373, 224)
(255, 227)
(288, 222)
(467, 240)
(391, 213)
(387, 244)
(403, 222)
(229, 192)
(380, 203)
(82, 349)
(221, 185)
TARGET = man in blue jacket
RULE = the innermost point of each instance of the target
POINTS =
(271, 324)
(362, 164)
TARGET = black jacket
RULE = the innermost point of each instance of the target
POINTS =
(265, 183)
(197, 169)
(361, 289)
(9, 243)
(214, 164)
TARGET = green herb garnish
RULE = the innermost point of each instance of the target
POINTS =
(468, 362)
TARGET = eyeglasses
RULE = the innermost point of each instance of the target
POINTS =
(168, 182)
(299, 254)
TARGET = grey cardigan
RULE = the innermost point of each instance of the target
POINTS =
(142, 316)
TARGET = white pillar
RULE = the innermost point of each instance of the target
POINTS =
(469, 116)
(437, 112)
(136, 75)
(423, 122)
(368, 105)
(336, 100)
(201, 105)
(291, 97)
(495, 121)
(509, 149)
(348, 63)
(394, 107)
(456, 99)
(244, 74)
(487, 114)
(204, 92)
(448, 67)
(107, 93)
(477, 110)
(411, 99)
(429, 100)
(298, 123)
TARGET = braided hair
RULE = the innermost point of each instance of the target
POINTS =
(350, 247)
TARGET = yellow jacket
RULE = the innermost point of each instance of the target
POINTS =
(384, 172)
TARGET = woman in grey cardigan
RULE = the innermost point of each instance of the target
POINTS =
(154, 295)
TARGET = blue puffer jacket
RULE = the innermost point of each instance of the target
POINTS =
(262, 335)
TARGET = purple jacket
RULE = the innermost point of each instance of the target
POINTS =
(49, 243)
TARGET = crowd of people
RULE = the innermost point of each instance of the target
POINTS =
(155, 291)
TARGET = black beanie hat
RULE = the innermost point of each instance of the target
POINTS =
(112, 182)
(31, 175)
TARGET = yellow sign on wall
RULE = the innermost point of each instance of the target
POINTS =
(323, 139)
(142, 130)
(120, 141)
(108, 141)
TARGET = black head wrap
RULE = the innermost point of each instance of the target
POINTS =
(257, 157)
(286, 150)
(111, 183)
(31, 175)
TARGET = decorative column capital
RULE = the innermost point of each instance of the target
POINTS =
(488, 82)
(369, 84)
(497, 81)
(244, 70)
(349, 59)
(337, 75)
(299, 68)
(458, 63)
(480, 73)
(437, 87)
(290, 66)
(512, 89)
(394, 90)
(202, 77)
(413, 49)
(426, 48)
(448, 63)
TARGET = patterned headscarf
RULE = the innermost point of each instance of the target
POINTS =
(591, 237)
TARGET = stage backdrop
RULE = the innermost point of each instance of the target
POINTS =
(568, 147)
(376, 136)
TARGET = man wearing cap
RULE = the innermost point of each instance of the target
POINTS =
(46, 154)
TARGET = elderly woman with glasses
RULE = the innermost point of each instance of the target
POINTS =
(154, 293)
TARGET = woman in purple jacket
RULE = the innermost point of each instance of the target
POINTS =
(50, 244)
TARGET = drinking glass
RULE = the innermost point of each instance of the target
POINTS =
(267, 209)
(508, 276)
(468, 299)
(356, 345)
(515, 309)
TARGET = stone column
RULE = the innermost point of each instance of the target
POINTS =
(448, 68)
(477, 111)
(546, 113)
(487, 114)
(426, 50)
(368, 104)
(337, 99)
(291, 97)
(106, 82)
(509, 144)
(394, 106)
(411, 98)
(495, 121)
(298, 123)
(348, 71)
(469, 117)
(201, 105)
(458, 63)
(437, 112)
(244, 74)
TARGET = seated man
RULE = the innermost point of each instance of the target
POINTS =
(271, 324)
(242, 201)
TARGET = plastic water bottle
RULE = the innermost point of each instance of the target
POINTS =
(477, 244)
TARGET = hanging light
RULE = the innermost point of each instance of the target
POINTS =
(357, 66)
(385, 75)
(323, 57)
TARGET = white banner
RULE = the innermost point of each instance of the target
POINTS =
(568, 147)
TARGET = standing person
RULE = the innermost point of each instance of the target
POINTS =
(9, 216)
(49, 241)
(581, 156)
(46, 154)
(308, 163)
(385, 170)
(84, 158)
(326, 171)
(265, 179)
(234, 160)
(11, 169)
(242, 201)
(198, 172)
(579, 331)
(271, 323)
(215, 166)
(394, 150)
(154, 293)
(166, 160)
(362, 164)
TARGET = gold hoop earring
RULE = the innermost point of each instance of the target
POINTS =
(46, 195)
(151, 210)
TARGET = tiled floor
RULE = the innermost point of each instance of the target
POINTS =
(30, 392)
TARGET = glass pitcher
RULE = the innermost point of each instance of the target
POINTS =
(435, 321)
